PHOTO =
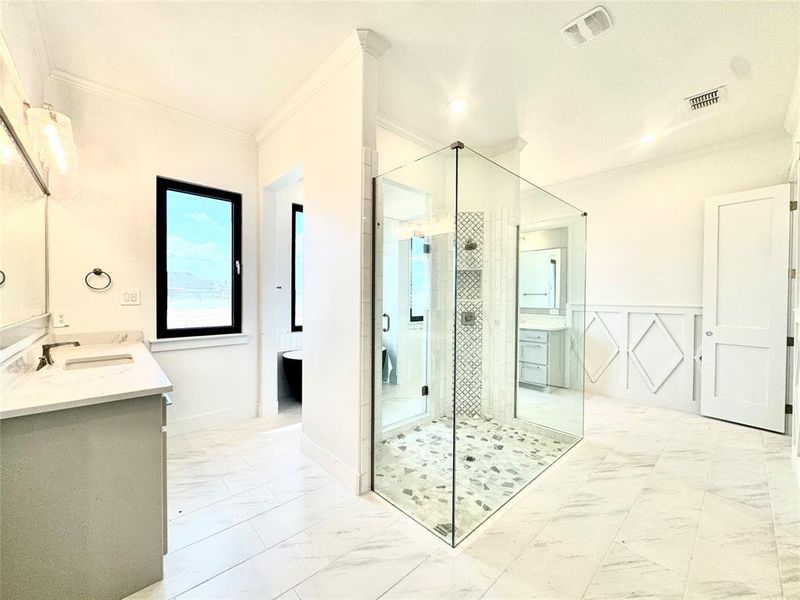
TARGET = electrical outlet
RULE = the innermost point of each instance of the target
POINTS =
(131, 297)
(59, 319)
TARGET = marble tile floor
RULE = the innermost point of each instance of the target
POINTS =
(414, 469)
(652, 503)
(557, 408)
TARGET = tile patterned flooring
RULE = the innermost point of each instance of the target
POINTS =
(414, 469)
(651, 504)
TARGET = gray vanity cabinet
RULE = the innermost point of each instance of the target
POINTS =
(541, 357)
(82, 504)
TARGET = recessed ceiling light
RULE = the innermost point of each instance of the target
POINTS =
(648, 137)
(457, 106)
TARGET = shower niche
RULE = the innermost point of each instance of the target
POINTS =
(477, 388)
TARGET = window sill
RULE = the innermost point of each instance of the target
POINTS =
(204, 341)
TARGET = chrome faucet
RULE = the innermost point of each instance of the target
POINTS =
(45, 358)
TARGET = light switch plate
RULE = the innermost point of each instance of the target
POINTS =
(131, 297)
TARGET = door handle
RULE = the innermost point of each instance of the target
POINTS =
(388, 322)
(709, 333)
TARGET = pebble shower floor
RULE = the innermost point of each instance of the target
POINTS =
(493, 463)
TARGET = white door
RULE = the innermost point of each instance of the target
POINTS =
(745, 307)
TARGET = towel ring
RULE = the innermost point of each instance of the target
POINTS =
(98, 272)
(2, 277)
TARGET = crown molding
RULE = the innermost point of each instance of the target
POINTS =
(516, 144)
(388, 123)
(742, 142)
(358, 43)
(86, 85)
(372, 43)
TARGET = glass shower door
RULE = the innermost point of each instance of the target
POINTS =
(413, 329)
(404, 340)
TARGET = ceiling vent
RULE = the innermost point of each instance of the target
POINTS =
(706, 99)
(586, 27)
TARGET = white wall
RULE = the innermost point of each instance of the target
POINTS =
(645, 224)
(328, 127)
(104, 216)
(644, 265)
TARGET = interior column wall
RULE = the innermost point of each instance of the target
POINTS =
(328, 128)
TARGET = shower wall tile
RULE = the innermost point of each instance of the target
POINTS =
(499, 302)
(369, 165)
(441, 326)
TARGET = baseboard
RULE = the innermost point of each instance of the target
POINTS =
(268, 409)
(348, 477)
(209, 419)
(643, 397)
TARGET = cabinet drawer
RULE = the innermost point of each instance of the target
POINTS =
(532, 335)
(533, 352)
(535, 374)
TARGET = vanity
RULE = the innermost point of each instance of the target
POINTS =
(83, 471)
(82, 439)
(542, 348)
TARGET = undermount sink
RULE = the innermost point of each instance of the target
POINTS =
(89, 362)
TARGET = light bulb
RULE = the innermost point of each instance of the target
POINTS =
(457, 106)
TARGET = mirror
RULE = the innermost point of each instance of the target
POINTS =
(22, 236)
(543, 271)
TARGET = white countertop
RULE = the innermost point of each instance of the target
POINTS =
(56, 388)
(543, 322)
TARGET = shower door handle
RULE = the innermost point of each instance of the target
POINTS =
(388, 322)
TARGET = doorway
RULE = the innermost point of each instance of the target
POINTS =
(282, 295)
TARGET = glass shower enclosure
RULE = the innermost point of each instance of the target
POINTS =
(478, 348)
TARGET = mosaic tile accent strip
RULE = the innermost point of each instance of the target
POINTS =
(469, 285)
(469, 229)
(469, 359)
(470, 239)
(493, 462)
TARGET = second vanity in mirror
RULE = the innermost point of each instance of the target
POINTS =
(550, 277)
(542, 306)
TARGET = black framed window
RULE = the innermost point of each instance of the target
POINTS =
(298, 227)
(198, 260)
(418, 278)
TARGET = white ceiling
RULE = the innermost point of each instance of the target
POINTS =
(582, 110)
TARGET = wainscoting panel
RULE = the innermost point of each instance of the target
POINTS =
(646, 353)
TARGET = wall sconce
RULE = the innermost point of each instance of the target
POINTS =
(51, 132)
